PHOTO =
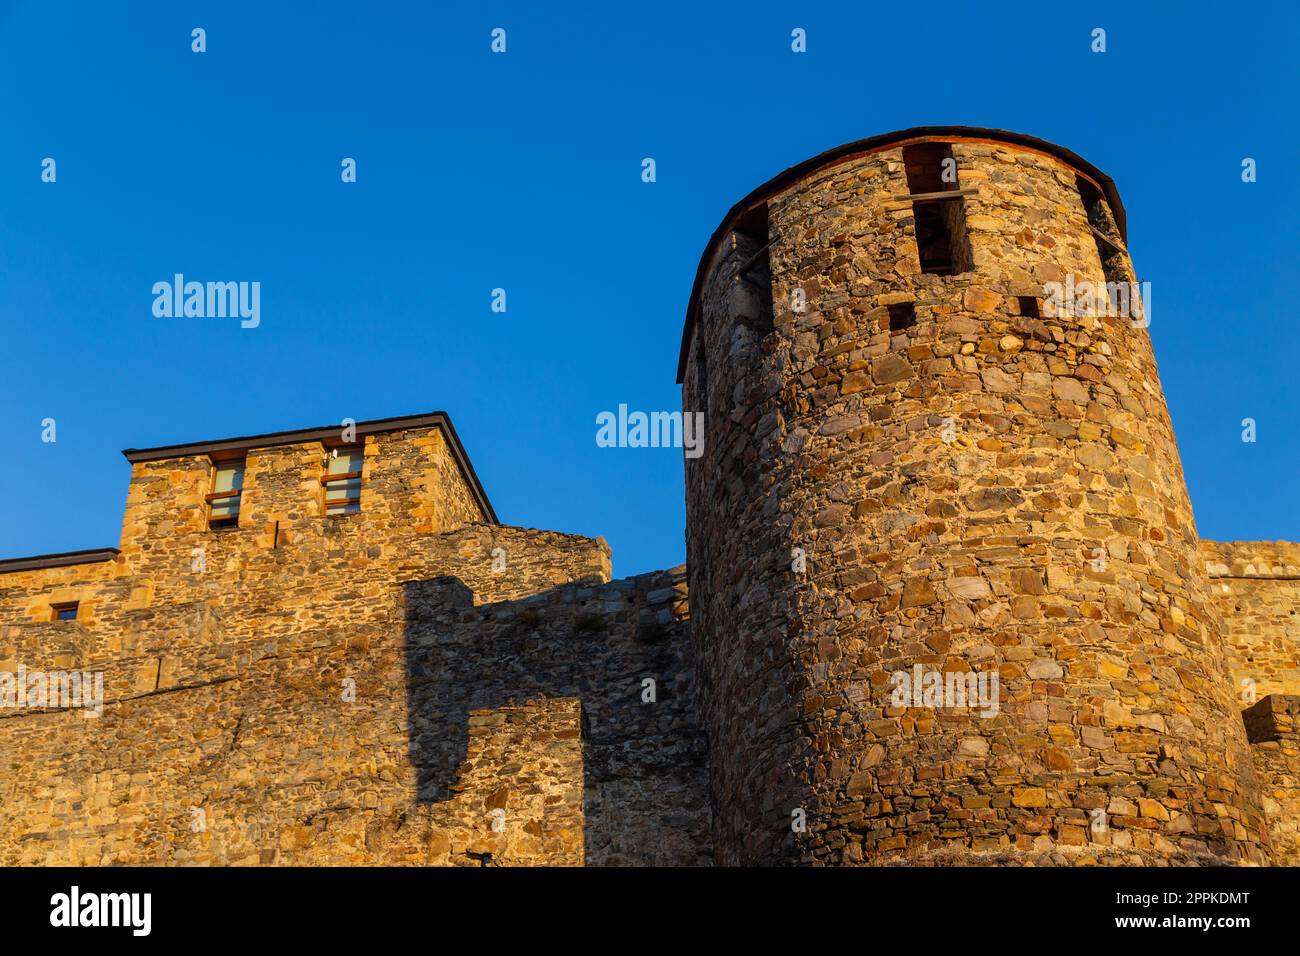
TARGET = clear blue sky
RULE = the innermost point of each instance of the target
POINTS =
(522, 171)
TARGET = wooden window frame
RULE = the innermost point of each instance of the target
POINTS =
(57, 608)
(343, 476)
(224, 522)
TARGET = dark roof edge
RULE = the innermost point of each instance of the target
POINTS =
(292, 437)
(462, 459)
(61, 560)
(872, 144)
(299, 435)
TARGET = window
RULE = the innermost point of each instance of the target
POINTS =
(1105, 234)
(66, 611)
(752, 302)
(227, 488)
(701, 372)
(1113, 255)
(940, 221)
(342, 480)
(1028, 306)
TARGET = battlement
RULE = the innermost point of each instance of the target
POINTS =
(1278, 560)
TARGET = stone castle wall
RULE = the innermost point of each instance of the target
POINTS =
(1256, 586)
(1273, 725)
(980, 490)
(903, 471)
(364, 688)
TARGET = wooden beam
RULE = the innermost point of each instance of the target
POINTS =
(1108, 240)
(946, 194)
(749, 263)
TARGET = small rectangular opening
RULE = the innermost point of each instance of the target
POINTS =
(1100, 220)
(342, 480)
(64, 611)
(701, 373)
(902, 315)
(227, 490)
(1028, 305)
(940, 223)
(753, 300)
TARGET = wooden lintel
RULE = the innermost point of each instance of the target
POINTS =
(946, 194)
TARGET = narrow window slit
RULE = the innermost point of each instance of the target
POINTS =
(701, 390)
(940, 224)
(1101, 221)
(753, 295)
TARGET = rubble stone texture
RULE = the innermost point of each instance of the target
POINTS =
(496, 716)
(901, 469)
(1256, 586)
(989, 486)
(1275, 737)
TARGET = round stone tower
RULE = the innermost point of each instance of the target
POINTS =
(943, 568)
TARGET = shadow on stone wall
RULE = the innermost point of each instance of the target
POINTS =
(644, 775)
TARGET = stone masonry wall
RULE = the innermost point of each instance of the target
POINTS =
(371, 688)
(980, 490)
(1273, 725)
(1256, 586)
